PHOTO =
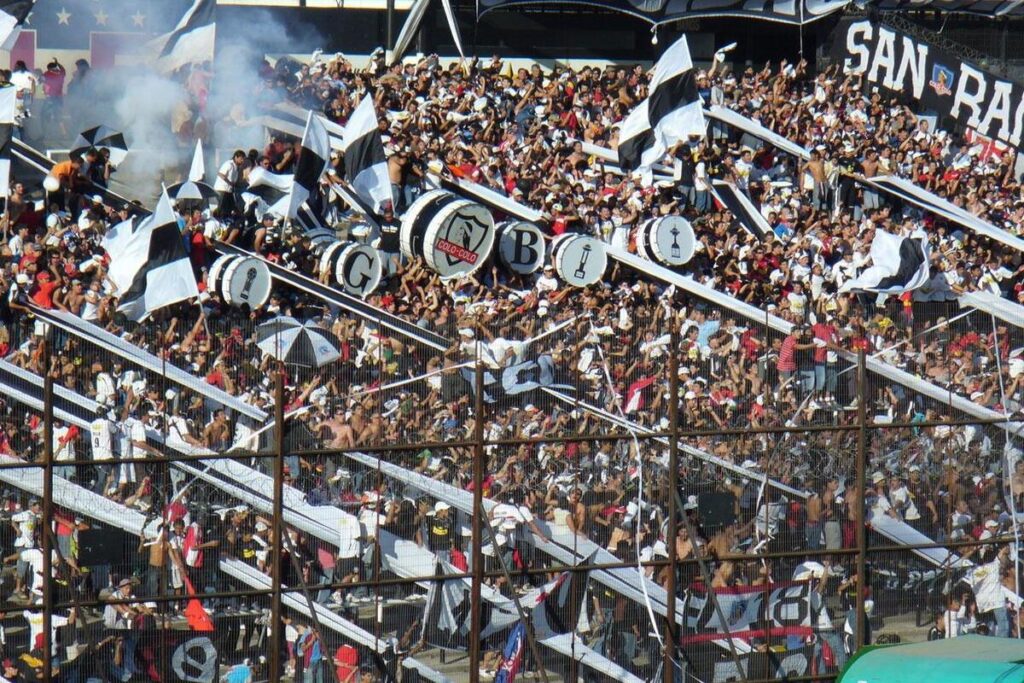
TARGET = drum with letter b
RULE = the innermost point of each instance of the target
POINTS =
(520, 246)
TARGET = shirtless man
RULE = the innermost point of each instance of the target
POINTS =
(577, 518)
(217, 434)
(71, 299)
(869, 168)
(815, 167)
(342, 435)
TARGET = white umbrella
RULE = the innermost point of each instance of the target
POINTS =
(295, 343)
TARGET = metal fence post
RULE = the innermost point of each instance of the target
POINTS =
(47, 521)
(862, 534)
(276, 535)
(671, 633)
(478, 495)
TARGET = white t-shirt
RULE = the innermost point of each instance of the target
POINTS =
(106, 391)
(349, 532)
(547, 283)
(902, 500)
(230, 171)
(101, 433)
(35, 622)
(988, 589)
(27, 521)
(65, 452)
(131, 430)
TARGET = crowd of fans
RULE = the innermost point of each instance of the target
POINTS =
(610, 348)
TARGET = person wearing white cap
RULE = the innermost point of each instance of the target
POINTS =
(440, 530)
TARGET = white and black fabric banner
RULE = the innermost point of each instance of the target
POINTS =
(785, 609)
(939, 81)
(898, 264)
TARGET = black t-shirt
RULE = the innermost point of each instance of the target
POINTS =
(389, 236)
(440, 533)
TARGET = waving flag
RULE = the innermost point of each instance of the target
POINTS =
(316, 150)
(366, 166)
(12, 16)
(513, 655)
(155, 256)
(192, 39)
(671, 113)
(898, 264)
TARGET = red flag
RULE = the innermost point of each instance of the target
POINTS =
(196, 615)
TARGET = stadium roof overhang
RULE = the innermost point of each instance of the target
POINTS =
(794, 12)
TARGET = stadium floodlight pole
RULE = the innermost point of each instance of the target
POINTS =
(478, 504)
(668, 668)
(861, 465)
(277, 513)
(47, 520)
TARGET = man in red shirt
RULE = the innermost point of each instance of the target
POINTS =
(46, 284)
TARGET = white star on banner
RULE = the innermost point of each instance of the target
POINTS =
(63, 16)
(139, 19)
(101, 18)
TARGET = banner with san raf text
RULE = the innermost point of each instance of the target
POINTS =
(919, 72)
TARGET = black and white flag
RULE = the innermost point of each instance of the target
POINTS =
(316, 151)
(446, 617)
(155, 258)
(8, 112)
(672, 112)
(559, 607)
(191, 41)
(12, 15)
(740, 206)
(898, 264)
(366, 166)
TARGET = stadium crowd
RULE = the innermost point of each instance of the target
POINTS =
(520, 131)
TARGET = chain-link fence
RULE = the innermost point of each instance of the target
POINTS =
(541, 505)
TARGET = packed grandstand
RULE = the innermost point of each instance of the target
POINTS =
(559, 384)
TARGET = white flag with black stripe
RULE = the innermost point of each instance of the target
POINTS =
(639, 148)
(673, 111)
(898, 264)
(161, 271)
(8, 111)
(366, 166)
(12, 15)
(316, 151)
(191, 41)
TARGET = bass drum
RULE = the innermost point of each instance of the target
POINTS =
(213, 277)
(520, 246)
(411, 231)
(580, 260)
(668, 240)
(454, 236)
(358, 268)
(329, 258)
(246, 282)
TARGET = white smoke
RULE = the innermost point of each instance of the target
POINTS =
(148, 107)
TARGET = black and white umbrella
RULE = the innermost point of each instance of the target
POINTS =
(102, 136)
(295, 343)
(191, 190)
